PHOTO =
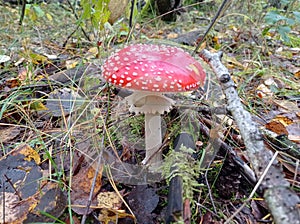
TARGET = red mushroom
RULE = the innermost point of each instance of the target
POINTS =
(151, 70)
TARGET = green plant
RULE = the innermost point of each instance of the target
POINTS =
(182, 164)
(282, 20)
(96, 11)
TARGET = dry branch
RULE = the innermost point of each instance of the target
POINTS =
(281, 200)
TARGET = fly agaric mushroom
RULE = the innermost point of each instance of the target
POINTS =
(151, 70)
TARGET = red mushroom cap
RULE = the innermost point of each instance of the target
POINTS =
(157, 68)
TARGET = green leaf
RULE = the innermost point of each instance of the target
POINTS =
(297, 16)
(266, 31)
(39, 12)
(283, 31)
(273, 17)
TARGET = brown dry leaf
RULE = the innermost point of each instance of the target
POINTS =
(12, 83)
(23, 172)
(287, 106)
(277, 127)
(23, 190)
(15, 210)
(81, 186)
(107, 216)
(50, 200)
(294, 132)
(7, 134)
(143, 200)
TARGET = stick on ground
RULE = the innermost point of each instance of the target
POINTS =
(281, 200)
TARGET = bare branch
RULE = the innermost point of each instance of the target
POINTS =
(281, 200)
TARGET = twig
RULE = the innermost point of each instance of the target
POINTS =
(281, 200)
(78, 26)
(22, 12)
(254, 189)
(221, 9)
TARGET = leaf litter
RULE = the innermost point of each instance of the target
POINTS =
(272, 92)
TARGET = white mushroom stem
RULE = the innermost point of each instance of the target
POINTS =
(152, 105)
(153, 139)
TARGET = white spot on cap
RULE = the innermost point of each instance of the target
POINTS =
(126, 59)
(128, 78)
(135, 74)
(114, 76)
(117, 58)
(128, 84)
(157, 78)
(155, 86)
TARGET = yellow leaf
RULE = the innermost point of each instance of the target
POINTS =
(283, 120)
(49, 17)
(109, 200)
(38, 106)
(71, 64)
(30, 154)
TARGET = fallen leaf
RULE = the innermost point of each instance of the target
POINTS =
(82, 185)
(143, 200)
(107, 216)
(8, 133)
(15, 210)
(50, 201)
(277, 127)
(29, 153)
(294, 132)
(263, 91)
(109, 200)
(63, 101)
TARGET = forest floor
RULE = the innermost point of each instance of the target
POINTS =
(68, 140)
